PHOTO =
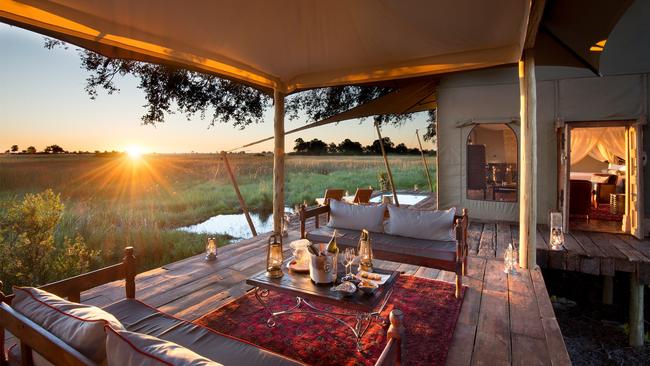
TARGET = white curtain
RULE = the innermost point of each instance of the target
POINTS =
(602, 144)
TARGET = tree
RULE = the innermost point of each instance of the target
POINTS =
(375, 147)
(317, 147)
(168, 88)
(301, 146)
(401, 148)
(348, 146)
(332, 148)
(14, 148)
(54, 149)
(31, 150)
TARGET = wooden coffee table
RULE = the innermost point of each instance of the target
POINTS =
(361, 309)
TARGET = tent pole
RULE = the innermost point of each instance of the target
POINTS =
(278, 161)
(390, 174)
(528, 159)
(424, 161)
(242, 203)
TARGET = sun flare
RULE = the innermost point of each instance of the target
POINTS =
(134, 152)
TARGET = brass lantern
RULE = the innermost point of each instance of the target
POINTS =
(274, 257)
(365, 252)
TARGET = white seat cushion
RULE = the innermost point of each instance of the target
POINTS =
(356, 217)
(129, 348)
(421, 224)
(81, 326)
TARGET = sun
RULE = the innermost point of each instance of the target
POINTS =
(134, 152)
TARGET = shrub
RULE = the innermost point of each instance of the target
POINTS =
(29, 254)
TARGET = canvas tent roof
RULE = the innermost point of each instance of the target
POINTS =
(290, 45)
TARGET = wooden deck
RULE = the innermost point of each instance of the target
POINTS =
(504, 319)
(592, 253)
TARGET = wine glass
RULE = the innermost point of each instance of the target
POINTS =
(349, 256)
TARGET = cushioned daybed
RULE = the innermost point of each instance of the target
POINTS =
(52, 330)
(435, 239)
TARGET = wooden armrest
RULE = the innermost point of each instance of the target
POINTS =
(307, 212)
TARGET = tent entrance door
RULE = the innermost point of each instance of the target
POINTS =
(600, 176)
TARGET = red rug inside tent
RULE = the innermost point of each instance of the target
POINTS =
(430, 314)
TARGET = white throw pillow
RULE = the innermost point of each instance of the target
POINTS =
(129, 348)
(357, 217)
(81, 326)
(421, 224)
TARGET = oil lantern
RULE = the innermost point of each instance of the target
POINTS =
(365, 252)
(211, 250)
(274, 256)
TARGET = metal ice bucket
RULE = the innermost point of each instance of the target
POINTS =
(323, 268)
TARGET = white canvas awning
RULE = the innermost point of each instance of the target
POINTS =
(289, 45)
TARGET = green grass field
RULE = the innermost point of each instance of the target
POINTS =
(113, 202)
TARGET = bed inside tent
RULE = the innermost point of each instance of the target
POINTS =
(597, 178)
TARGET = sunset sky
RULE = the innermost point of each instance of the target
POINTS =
(43, 102)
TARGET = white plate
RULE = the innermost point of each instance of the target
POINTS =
(384, 278)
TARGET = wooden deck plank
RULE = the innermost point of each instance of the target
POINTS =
(642, 246)
(474, 232)
(407, 269)
(462, 344)
(554, 341)
(426, 272)
(592, 263)
(486, 245)
(504, 237)
(574, 253)
(556, 258)
(624, 256)
(524, 311)
(492, 346)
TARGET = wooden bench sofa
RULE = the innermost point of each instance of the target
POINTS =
(136, 316)
(444, 255)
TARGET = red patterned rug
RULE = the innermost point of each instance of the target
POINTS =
(430, 314)
(602, 213)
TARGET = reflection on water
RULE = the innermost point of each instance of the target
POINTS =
(235, 225)
(404, 198)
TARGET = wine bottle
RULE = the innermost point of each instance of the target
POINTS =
(331, 246)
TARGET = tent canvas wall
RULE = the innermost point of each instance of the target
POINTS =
(492, 96)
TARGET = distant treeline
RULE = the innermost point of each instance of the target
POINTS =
(56, 149)
(349, 147)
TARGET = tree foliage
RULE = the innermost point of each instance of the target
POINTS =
(54, 149)
(29, 254)
(168, 89)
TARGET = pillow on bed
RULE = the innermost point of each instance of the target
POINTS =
(421, 224)
(356, 217)
(79, 325)
(129, 348)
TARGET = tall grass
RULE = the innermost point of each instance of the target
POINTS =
(114, 201)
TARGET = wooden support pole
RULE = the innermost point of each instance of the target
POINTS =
(608, 290)
(424, 161)
(528, 159)
(390, 174)
(636, 311)
(242, 203)
(278, 162)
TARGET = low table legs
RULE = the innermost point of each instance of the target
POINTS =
(359, 326)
